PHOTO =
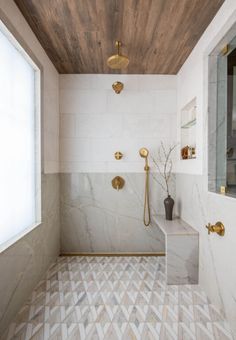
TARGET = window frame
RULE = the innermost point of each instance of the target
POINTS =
(15, 39)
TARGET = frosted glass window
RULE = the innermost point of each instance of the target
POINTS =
(19, 132)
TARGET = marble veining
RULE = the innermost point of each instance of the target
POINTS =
(24, 263)
(182, 256)
(97, 218)
(116, 298)
(174, 227)
(182, 251)
(198, 207)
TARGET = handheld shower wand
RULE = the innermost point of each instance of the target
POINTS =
(146, 212)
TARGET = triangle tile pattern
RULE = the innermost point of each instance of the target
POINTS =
(121, 298)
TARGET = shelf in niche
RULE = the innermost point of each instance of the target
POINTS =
(189, 124)
(188, 159)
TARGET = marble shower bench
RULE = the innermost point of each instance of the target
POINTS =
(182, 251)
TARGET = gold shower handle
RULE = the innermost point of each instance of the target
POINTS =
(218, 228)
(118, 183)
(208, 226)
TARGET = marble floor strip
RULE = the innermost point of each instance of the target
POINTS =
(123, 298)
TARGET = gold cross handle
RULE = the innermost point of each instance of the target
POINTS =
(118, 155)
(216, 228)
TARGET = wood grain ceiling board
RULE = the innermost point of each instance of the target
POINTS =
(157, 35)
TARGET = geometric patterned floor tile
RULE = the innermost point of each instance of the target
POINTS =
(109, 298)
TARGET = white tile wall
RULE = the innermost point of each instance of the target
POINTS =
(95, 122)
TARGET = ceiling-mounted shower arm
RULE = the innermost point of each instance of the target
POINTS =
(118, 45)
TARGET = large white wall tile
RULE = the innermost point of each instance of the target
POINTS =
(75, 149)
(99, 126)
(165, 101)
(68, 126)
(147, 126)
(82, 101)
(96, 122)
(156, 82)
(75, 82)
(129, 102)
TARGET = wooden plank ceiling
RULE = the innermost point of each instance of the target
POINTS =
(157, 35)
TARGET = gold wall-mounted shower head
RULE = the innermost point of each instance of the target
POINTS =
(117, 87)
(144, 152)
(118, 61)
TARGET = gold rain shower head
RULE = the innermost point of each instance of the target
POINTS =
(144, 152)
(118, 61)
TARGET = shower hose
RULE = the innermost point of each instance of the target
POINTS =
(146, 211)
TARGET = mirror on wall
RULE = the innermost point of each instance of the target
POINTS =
(222, 118)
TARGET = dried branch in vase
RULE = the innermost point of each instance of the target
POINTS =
(164, 166)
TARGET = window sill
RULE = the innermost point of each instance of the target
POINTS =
(4, 246)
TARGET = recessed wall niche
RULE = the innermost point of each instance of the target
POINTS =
(222, 116)
(188, 130)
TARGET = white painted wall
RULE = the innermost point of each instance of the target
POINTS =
(196, 205)
(50, 87)
(96, 122)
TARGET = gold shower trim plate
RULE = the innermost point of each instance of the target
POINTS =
(113, 254)
(118, 183)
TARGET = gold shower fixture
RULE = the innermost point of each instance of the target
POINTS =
(146, 211)
(118, 61)
(118, 183)
(117, 87)
(118, 155)
(218, 228)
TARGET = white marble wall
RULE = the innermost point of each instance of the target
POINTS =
(24, 263)
(217, 267)
(195, 204)
(97, 218)
(182, 251)
(96, 122)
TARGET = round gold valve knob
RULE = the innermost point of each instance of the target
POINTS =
(118, 155)
(118, 183)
